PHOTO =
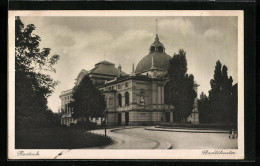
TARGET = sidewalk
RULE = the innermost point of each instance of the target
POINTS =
(189, 130)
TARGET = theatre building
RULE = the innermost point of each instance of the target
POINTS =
(137, 98)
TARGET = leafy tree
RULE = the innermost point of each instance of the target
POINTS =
(88, 100)
(181, 86)
(234, 105)
(204, 109)
(32, 83)
(220, 94)
(31, 59)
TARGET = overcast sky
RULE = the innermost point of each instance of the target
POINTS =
(82, 42)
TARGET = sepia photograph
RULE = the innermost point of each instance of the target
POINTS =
(126, 85)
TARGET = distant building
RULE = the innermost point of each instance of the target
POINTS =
(137, 98)
(103, 71)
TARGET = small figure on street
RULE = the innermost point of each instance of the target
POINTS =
(230, 132)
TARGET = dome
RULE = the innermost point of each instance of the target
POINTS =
(161, 62)
(157, 53)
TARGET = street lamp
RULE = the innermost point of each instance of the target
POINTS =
(105, 122)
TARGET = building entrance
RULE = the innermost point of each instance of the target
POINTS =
(167, 116)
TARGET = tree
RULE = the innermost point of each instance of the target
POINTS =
(181, 86)
(33, 84)
(234, 105)
(220, 94)
(88, 100)
(204, 109)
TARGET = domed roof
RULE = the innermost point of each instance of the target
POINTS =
(157, 55)
(160, 60)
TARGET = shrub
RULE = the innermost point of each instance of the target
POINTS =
(87, 125)
(58, 138)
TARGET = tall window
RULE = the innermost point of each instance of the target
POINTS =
(126, 99)
(119, 98)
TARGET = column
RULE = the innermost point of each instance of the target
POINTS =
(159, 94)
(66, 108)
(171, 117)
(123, 100)
(162, 94)
(154, 93)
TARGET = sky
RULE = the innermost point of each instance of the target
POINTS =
(82, 42)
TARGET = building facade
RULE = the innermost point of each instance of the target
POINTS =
(138, 98)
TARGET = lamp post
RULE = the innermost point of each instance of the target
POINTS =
(105, 123)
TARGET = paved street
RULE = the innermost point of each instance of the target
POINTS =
(131, 139)
(139, 138)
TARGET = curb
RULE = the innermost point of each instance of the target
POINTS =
(115, 129)
(220, 132)
(162, 127)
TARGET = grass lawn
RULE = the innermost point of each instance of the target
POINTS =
(58, 138)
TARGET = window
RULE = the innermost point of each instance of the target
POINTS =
(112, 88)
(160, 49)
(119, 86)
(126, 84)
(152, 49)
(126, 99)
(119, 98)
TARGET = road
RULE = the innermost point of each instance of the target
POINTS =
(139, 138)
(129, 139)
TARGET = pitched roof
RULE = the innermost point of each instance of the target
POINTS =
(105, 62)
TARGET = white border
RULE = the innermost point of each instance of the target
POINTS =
(124, 154)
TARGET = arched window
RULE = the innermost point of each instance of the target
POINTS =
(152, 49)
(126, 99)
(119, 98)
(160, 49)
